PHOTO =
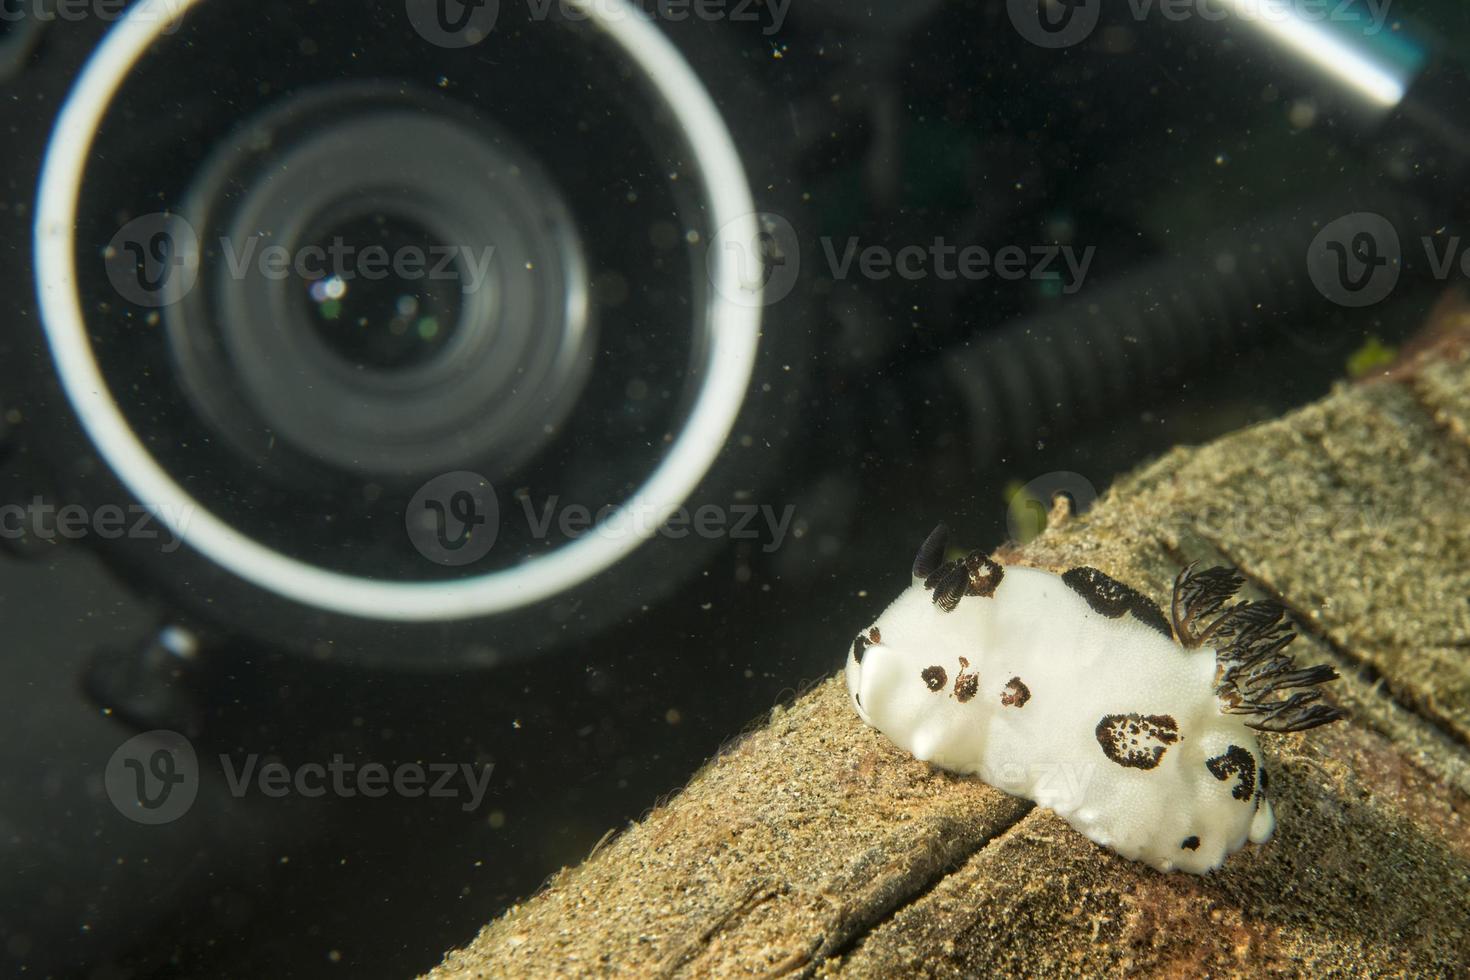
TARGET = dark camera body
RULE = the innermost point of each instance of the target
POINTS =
(494, 266)
(341, 276)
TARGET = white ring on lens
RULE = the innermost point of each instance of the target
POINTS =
(734, 330)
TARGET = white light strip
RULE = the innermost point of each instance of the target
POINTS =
(735, 331)
(1328, 46)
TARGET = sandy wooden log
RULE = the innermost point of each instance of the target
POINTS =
(813, 847)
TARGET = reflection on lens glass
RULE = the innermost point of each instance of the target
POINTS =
(383, 292)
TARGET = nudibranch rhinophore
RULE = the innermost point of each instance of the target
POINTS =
(1075, 691)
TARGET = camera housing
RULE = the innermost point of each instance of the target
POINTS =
(285, 298)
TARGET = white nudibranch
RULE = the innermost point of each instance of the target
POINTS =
(1072, 690)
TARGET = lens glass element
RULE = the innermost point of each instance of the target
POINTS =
(387, 295)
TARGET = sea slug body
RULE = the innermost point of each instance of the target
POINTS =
(1077, 692)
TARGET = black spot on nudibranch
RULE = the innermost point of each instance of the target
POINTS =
(861, 644)
(1235, 761)
(1137, 741)
(1108, 597)
(1190, 844)
(1016, 694)
(965, 685)
(934, 678)
(983, 575)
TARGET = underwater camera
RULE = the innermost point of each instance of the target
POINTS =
(420, 334)
(353, 307)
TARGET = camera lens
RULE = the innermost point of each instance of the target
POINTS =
(391, 286)
(519, 259)
(399, 319)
